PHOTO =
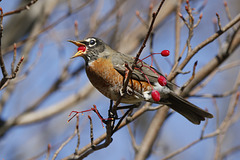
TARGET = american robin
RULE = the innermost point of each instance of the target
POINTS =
(106, 70)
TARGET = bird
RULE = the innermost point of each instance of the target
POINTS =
(106, 69)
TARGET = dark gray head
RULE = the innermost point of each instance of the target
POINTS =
(89, 48)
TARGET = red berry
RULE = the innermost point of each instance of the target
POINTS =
(82, 48)
(165, 53)
(155, 95)
(162, 81)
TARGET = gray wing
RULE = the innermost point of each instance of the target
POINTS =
(141, 71)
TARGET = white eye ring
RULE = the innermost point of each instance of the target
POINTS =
(92, 42)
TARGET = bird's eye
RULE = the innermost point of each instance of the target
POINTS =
(92, 42)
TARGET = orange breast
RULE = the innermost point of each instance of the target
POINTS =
(108, 81)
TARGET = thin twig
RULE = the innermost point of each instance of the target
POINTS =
(229, 152)
(133, 140)
(227, 11)
(210, 68)
(6, 78)
(203, 129)
(14, 57)
(213, 134)
(210, 77)
(190, 26)
(69, 6)
(17, 68)
(151, 53)
(78, 134)
(225, 94)
(76, 131)
(85, 149)
(155, 108)
(183, 19)
(177, 31)
(76, 33)
(26, 7)
(199, 20)
(4, 71)
(204, 43)
(48, 151)
(191, 78)
(63, 144)
(216, 29)
(227, 122)
(96, 24)
(52, 25)
(179, 58)
(91, 132)
(219, 22)
(141, 19)
(217, 112)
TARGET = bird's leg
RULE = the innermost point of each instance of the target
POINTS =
(126, 114)
(110, 109)
(132, 106)
(111, 112)
(129, 111)
(112, 116)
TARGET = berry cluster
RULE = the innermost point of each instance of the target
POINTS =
(161, 79)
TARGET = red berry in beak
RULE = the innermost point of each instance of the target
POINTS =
(162, 81)
(165, 53)
(82, 48)
(155, 95)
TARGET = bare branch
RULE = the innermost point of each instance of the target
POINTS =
(52, 25)
(198, 22)
(4, 71)
(48, 151)
(14, 57)
(78, 134)
(229, 152)
(219, 22)
(206, 42)
(36, 116)
(191, 78)
(227, 122)
(211, 66)
(213, 134)
(178, 31)
(133, 140)
(26, 7)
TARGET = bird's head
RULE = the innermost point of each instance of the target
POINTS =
(88, 48)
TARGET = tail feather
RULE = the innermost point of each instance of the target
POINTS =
(187, 109)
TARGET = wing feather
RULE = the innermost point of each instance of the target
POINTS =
(141, 71)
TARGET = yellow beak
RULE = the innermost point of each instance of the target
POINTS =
(80, 52)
